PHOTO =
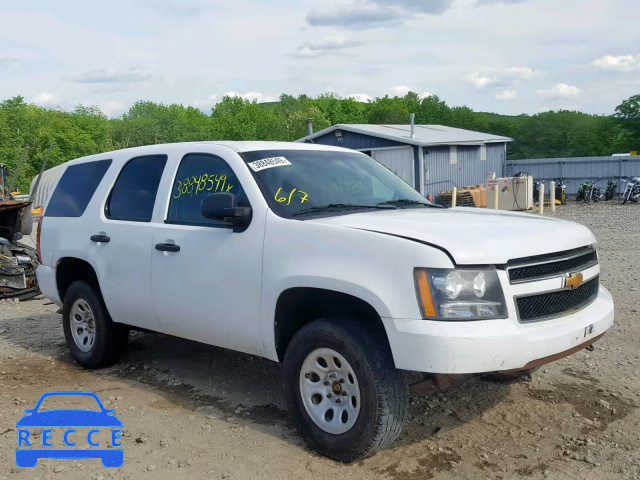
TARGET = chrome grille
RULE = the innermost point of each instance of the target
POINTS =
(552, 265)
(532, 308)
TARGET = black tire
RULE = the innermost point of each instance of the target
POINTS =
(383, 388)
(110, 338)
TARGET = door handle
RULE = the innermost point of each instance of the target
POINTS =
(100, 238)
(167, 247)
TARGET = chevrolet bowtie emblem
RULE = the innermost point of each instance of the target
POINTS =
(573, 281)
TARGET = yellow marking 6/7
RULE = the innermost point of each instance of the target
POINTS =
(304, 196)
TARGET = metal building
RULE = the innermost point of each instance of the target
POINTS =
(431, 158)
(577, 170)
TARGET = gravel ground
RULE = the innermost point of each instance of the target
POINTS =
(193, 411)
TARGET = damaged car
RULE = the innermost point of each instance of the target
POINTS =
(18, 262)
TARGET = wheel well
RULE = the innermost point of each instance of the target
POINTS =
(298, 306)
(71, 269)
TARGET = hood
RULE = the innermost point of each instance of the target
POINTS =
(473, 236)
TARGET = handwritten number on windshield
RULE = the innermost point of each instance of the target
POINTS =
(304, 197)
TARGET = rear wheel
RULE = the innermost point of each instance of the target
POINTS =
(92, 337)
(344, 394)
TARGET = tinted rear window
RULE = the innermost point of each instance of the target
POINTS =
(75, 189)
(134, 194)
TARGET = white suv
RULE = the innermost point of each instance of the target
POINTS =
(317, 257)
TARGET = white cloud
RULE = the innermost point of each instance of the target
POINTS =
(7, 62)
(363, 14)
(110, 75)
(112, 108)
(502, 77)
(431, 7)
(481, 3)
(355, 16)
(562, 90)
(427, 52)
(205, 103)
(325, 46)
(251, 96)
(618, 63)
(46, 99)
(361, 97)
(506, 95)
(398, 91)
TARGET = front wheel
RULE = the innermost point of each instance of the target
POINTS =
(587, 198)
(343, 392)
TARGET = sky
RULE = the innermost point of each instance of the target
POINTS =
(504, 56)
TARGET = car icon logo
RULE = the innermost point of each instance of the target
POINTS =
(61, 437)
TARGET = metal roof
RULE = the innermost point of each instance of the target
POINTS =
(425, 135)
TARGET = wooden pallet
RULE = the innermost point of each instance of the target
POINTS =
(464, 199)
(468, 197)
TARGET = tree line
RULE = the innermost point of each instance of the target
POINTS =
(86, 130)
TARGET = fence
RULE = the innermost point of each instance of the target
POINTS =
(576, 171)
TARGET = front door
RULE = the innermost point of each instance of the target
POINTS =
(207, 286)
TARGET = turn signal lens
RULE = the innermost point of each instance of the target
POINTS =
(424, 290)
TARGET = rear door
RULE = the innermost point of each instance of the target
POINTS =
(121, 242)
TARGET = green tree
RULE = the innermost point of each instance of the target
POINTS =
(386, 110)
(86, 130)
(629, 114)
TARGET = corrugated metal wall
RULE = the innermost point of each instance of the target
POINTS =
(578, 170)
(356, 141)
(468, 170)
(400, 161)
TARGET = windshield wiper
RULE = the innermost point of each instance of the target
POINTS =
(342, 206)
(406, 201)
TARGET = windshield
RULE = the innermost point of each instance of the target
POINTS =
(301, 182)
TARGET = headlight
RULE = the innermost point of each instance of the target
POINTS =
(460, 294)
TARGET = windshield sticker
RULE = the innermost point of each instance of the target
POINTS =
(268, 163)
(194, 185)
(304, 197)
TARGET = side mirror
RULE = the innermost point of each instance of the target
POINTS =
(224, 208)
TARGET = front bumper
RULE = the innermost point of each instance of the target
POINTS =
(493, 345)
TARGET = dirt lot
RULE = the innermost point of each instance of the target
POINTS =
(193, 411)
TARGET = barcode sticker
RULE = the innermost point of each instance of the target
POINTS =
(268, 163)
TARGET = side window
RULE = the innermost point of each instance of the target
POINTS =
(200, 175)
(76, 188)
(134, 194)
